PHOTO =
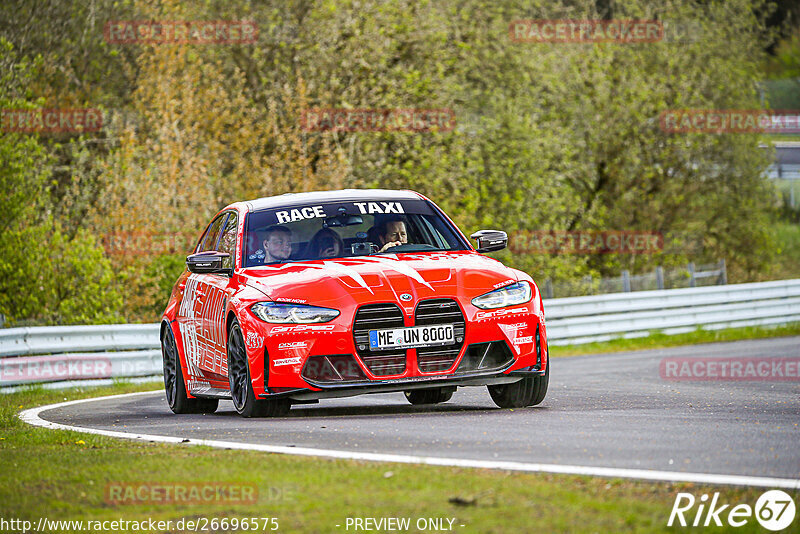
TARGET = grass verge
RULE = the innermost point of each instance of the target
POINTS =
(657, 340)
(66, 475)
(786, 265)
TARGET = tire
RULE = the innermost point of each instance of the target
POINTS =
(540, 386)
(428, 396)
(516, 395)
(174, 383)
(241, 384)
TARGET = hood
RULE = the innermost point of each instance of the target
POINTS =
(336, 283)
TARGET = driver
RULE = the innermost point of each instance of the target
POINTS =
(277, 244)
(392, 232)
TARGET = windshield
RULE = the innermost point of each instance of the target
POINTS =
(346, 229)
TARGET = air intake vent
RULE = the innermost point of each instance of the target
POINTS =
(377, 317)
(332, 369)
(485, 357)
(439, 311)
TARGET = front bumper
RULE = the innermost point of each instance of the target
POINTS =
(351, 389)
(281, 363)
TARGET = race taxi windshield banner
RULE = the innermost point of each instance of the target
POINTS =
(345, 229)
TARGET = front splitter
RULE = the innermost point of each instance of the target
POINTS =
(352, 389)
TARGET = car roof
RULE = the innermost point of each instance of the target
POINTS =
(344, 195)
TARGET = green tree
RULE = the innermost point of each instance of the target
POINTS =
(46, 277)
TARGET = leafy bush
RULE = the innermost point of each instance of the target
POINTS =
(49, 278)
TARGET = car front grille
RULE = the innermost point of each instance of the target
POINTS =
(376, 317)
(393, 362)
(439, 311)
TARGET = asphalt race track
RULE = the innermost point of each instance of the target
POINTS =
(601, 411)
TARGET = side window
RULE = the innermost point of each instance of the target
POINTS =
(210, 239)
(227, 242)
(436, 238)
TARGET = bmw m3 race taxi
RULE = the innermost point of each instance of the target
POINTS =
(300, 297)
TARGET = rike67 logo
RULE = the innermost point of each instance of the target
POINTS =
(774, 510)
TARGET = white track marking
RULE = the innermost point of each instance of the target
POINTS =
(31, 416)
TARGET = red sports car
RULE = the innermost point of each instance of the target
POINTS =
(300, 297)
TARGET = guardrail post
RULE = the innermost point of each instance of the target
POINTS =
(548, 289)
(660, 277)
(723, 273)
(626, 281)
(692, 280)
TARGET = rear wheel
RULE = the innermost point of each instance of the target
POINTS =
(428, 396)
(174, 384)
(244, 399)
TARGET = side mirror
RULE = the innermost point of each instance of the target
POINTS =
(207, 262)
(489, 240)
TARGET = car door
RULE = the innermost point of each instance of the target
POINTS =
(217, 289)
(193, 306)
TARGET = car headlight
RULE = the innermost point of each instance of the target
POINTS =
(518, 293)
(282, 313)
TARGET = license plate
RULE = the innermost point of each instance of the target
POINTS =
(411, 337)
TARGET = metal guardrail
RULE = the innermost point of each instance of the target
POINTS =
(58, 353)
(690, 276)
(58, 339)
(577, 320)
(51, 354)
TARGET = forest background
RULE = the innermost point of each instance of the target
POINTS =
(548, 136)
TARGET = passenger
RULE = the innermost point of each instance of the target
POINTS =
(277, 245)
(326, 243)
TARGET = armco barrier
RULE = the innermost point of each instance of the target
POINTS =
(59, 339)
(59, 353)
(49, 354)
(576, 320)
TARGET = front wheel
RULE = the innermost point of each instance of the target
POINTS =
(540, 386)
(244, 399)
(174, 384)
(428, 396)
(529, 391)
(514, 395)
